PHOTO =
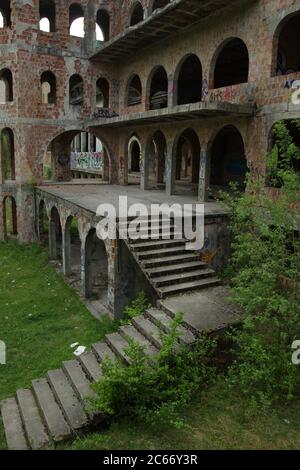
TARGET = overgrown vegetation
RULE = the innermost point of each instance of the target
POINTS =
(136, 308)
(265, 272)
(156, 391)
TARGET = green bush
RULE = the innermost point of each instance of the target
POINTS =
(265, 263)
(155, 392)
(136, 308)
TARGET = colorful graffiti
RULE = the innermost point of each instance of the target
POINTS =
(88, 161)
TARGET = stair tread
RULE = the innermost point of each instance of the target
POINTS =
(91, 365)
(12, 422)
(161, 251)
(34, 426)
(70, 404)
(78, 379)
(181, 276)
(149, 244)
(163, 269)
(187, 285)
(148, 329)
(187, 256)
(160, 317)
(52, 414)
(118, 344)
(102, 351)
(132, 332)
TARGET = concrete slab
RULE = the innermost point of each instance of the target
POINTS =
(206, 310)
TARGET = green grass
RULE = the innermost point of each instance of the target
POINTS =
(215, 421)
(40, 318)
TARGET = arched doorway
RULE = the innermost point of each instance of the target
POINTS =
(231, 64)
(7, 155)
(187, 162)
(43, 224)
(10, 221)
(156, 154)
(134, 160)
(72, 252)
(189, 80)
(95, 282)
(228, 161)
(55, 235)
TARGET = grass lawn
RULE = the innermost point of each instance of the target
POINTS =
(40, 318)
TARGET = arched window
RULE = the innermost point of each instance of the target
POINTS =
(134, 91)
(76, 90)
(159, 88)
(232, 64)
(137, 14)
(47, 16)
(287, 40)
(76, 20)
(48, 85)
(102, 25)
(228, 160)
(5, 14)
(189, 86)
(6, 86)
(7, 155)
(159, 4)
(102, 91)
(134, 155)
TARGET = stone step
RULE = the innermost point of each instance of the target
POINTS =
(157, 244)
(71, 406)
(118, 344)
(175, 268)
(102, 351)
(161, 319)
(13, 426)
(188, 286)
(34, 426)
(149, 330)
(78, 379)
(155, 221)
(91, 366)
(156, 262)
(161, 253)
(136, 335)
(186, 276)
(56, 424)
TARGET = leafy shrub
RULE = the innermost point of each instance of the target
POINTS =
(137, 307)
(266, 276)
(156, 391)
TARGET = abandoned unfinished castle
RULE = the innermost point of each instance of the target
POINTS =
(162, 101)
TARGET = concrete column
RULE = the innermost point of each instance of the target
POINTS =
(203, 176)
(66, 249)
(52, 239)
(170, 169)
(171, 97)
(86, 278)
(145, 160)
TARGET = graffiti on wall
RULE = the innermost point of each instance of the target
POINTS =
(87, 161)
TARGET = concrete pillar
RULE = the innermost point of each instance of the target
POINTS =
(66, 249)
(86, 277)
(145, 160)
(52, 239)
(170, 169)
(203, 176)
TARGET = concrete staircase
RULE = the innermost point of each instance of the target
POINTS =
(55, 408)
(168, 265)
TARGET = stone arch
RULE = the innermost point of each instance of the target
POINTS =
(72, 248)
(156, 153)
(10, 218)
(5, 13)
(95, 269)
(55, 233)
(47, 16)
(188, 80)
(133, 93)
(136, 14)
(286, 49)
(6, 86)
(157, 88)
(230, 64)
(8, 165)
(76, 20)
(102, 93)
(186, 155)
(157, 4)
(228, 161)
(103, 22)
(48, 87)
(134, 154)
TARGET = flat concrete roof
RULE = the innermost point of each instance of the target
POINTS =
(90, 196)
(164, 22)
